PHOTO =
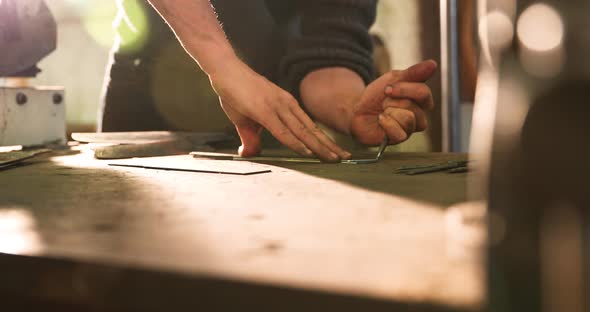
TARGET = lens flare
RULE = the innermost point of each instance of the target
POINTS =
(128, 17)
(541, 28)
(541, 33)
(97, 19)
(498, 28)
(132, 24)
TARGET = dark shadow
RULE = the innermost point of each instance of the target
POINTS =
(51, 284)
(15, 166)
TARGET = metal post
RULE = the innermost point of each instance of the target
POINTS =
(451, 81)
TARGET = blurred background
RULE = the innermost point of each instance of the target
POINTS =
(410, 30)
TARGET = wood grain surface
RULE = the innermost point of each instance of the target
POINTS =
(359, 231)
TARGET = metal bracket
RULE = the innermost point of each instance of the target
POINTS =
(32, 116)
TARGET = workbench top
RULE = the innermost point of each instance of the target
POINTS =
(74, 229)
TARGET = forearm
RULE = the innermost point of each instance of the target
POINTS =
(329, 95)
(198, 30)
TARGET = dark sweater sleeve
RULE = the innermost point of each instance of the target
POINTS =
(334, 33)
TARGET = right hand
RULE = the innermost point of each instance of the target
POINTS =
(395, 105)
(252, 102)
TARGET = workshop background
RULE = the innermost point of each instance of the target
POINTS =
(85, 36)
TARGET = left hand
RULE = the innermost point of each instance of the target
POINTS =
(394, 105)
(252, 102)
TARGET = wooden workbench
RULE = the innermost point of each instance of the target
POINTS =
(77, 233)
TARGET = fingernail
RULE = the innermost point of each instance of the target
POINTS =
(347, 155)
(381, 117)
(308, 152)
(388, 89)
(334, 156)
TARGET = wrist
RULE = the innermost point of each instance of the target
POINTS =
(330, 94)
(227, 71)
(340, 117)
(221, 63)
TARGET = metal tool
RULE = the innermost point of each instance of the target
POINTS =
(460, 170)
(150, 143)
(382, 148)
(221, 156)
(452, 166)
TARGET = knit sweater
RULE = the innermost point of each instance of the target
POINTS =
(333, 33)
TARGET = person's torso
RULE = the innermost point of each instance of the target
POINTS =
(179, 90)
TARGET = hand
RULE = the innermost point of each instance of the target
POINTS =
(394, 105)
(252, 102)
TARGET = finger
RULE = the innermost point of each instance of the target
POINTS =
(404, 117)
(250, 137)
(419, 113)
(319, 134)
(394, 131)
(307, 137)
(418, 92)
(419, 72)
(282, 133)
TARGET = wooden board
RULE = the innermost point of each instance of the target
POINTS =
(18, 158)
(14, 157)
(333, 231)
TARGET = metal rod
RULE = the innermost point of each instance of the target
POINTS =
(451, 80)
(219, 156)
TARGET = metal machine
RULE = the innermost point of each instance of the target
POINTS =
(532, 136)
(29, 116)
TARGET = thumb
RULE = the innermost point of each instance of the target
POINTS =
(250, 136)
(419, 72)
